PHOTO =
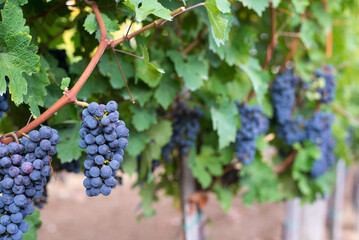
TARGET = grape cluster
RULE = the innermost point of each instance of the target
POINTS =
(253, 123)
(184, 130)
(24, 169)
(318, 130)
(105, 138)
(283, 96)
(292, 131)
(328, 91)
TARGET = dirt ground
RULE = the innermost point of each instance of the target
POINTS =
(70, 214)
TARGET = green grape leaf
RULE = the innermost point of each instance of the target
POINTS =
(261, 181)
(148, 194)
(68, 148)
(159, 135)
(34, 224)
(65, 83)
(224, 196)
(219, 24)
(92, 26)
(140, 94)
(259, 78)
(129, 165)
(223, 6)
(138, 142)
(307, 32)
(143, 117)
(147, 71)
(12, 22)
(16, 2)
(300, 5)
(258, 5)
(225, 120)
(148, 7)
(167, 91)
(108, 67)
(36, 88)
(20, 58)
(205, 165)
(236, 50)
(194, 71)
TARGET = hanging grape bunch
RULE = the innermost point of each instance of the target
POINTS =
(105, 138)
(253, 123)
(24, 169)
(185, 127)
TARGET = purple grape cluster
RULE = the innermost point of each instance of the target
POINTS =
(105, 138)
(283, 96)
(283, 99)
(318, 130)
(328, 91)
(253, 123)
(185, 127)
(24, 169)
(292, 131)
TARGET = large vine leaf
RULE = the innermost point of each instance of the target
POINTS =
(159, 135)
(225, 121)
(142, 119)
(108, 67)
(258, 77)
(194, 71)
(261, 181)
(224, 196)
(167, 91)
(147, 71)
(12, 22)
(237, 50)
(148, 7)
(219, 24)
(36, 89)
(205, 165)
(258, 5)
(300, 5)
(17, 56)
(92, 26)
(34, 224)
(20, 58)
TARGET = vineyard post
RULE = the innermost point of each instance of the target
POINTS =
(336, 208)
(313, 220)
(356, 196)
(193, 219)
(292, 220)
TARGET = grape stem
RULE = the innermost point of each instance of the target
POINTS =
(82, 104)
(105, 43)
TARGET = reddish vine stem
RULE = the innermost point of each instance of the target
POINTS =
(105, 43)
(129, 28)
(291, 53)
(123, 76)
(286, 163)
(274, 41)
(131, 54)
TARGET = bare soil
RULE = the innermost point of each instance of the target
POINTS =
(70, 214)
